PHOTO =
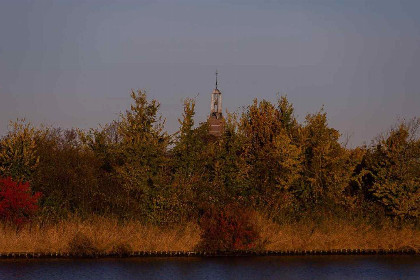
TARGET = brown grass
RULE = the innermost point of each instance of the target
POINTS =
(103, 234)
(108, 235)
(335, 234)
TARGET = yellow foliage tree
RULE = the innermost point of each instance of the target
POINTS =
(391, 171)
(18, 151)
(273, 157)
(327, 165)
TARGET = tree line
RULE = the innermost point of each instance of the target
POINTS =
(266, 160)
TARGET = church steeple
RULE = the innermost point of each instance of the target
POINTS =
(216, 121)
(216, 102)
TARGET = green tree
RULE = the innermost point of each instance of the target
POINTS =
(390, 174)
(142, 150)
(186, 161)
(67, 174)
(227, 170)
(18, 151)
(327, 165)
(287, 118)
(273, 158)
(187, 145)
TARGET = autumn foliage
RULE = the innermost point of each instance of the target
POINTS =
(227, 229)
(17, 203)
(287, 170)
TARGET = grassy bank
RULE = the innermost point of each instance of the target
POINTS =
(108, 235)
(97, 234)
(335, 234)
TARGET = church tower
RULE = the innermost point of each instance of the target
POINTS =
(216, 121)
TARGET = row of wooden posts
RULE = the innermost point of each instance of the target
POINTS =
(213, 254)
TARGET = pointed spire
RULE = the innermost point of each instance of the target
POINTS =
(216, 78)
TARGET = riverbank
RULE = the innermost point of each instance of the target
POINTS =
(107, 236)
(35, 255)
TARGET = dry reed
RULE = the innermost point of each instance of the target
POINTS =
(335, 234)
(107, 234)
(104, 234)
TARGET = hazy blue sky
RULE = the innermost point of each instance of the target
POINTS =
(73, 63)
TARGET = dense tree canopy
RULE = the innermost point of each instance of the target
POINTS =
(266, 160)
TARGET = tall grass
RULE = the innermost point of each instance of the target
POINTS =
(103, 234)
(109, 235)
(333, 233)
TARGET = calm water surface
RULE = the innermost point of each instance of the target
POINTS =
(296, 267)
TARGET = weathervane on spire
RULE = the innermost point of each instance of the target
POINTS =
(216, 78)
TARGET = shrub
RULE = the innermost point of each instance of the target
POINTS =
(228, 229)
(17, 203)
(122, 249)
(80, 244)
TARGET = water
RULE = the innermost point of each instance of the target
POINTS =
(280, 267)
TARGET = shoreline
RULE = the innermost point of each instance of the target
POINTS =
(101, 236)
(56, 255)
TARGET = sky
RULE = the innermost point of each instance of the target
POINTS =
(74, 63)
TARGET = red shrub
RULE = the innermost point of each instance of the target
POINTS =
(17, 204)
(228, 229)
